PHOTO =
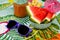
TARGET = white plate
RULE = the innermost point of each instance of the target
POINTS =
(3, 28)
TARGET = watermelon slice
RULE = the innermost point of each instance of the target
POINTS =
(37, 14)
(50, 16)
(3, 28)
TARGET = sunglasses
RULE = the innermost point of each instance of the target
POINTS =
(23, 30)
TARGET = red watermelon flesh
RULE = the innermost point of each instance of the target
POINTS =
(37, 14)
(50, 15)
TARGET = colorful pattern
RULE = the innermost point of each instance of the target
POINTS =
(41, 34)
(25, 21)
(52, 5)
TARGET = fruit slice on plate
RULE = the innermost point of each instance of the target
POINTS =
(37, 14)
(50, 16)
(3, 28)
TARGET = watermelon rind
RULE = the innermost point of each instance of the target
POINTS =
(49, 19)
(31, 15)
(54, 15)
(35, 20)
(29, 11)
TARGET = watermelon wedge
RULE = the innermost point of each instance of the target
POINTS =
(50, 16)
(36, 14)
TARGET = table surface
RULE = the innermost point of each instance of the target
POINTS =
(9, 11)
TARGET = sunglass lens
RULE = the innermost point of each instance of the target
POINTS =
(23, 29)
(11, 24)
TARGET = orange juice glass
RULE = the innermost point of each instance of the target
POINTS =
(20, 10)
